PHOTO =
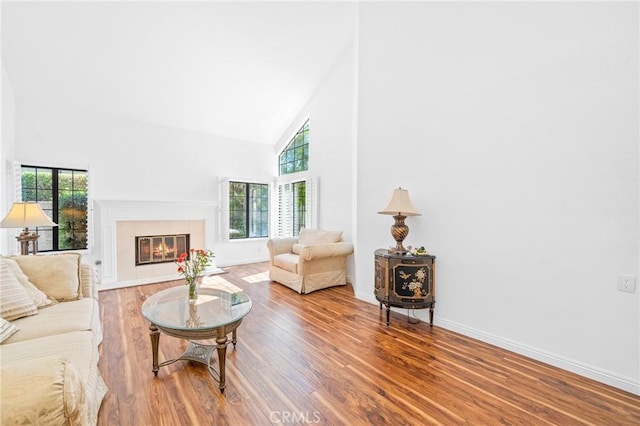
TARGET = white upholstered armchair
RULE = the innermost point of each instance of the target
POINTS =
(312, 261)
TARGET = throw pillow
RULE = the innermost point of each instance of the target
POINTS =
(317, 236)
(40, 299)
(57, 275)
(14, 301)
(7, 329)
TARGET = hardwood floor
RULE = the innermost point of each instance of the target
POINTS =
(327, 358)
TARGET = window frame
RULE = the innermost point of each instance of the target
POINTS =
(283, 228)
(284, 186)
(247, 209)
(295, 152)
(54, 211)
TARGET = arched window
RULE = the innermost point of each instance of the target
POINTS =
(295, 157)
(296, 192)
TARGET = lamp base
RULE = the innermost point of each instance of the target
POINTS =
(396, 250)
(399, 232)
(25, 238)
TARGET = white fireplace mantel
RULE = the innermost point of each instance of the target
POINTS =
(107, 213)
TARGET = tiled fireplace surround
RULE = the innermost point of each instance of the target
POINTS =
(121, 221)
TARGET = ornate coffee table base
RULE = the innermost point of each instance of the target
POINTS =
(196, 352)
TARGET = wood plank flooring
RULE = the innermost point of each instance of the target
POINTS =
(328, 358)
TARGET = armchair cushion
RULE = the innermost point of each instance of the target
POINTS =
(287, 261)
(318, 236)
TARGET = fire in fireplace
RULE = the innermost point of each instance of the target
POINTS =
(160, 248)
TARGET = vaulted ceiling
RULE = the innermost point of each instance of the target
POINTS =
(241, 70)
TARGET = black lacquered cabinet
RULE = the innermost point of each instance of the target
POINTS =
(405, 281)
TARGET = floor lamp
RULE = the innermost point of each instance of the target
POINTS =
(24, 215)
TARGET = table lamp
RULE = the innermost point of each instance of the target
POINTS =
(24, 215)
(399, 206)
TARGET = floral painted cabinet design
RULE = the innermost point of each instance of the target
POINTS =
(405, 281)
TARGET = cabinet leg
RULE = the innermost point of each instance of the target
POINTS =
(388, 310)
(431, 316)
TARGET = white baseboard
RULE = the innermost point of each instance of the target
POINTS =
(598, 374)
(556, 360)
(550, 358)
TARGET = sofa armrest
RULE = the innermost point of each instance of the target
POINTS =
(88, 281)
(46, 390)
(320, 251)
(278, 246)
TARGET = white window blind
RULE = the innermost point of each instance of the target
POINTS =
(17, 182)
(312, 203)
(285, 206)
(285, 201)
(223, 209)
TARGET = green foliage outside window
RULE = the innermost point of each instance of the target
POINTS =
(299, 206)
(62, 195)
(248, 210)
(295, 157)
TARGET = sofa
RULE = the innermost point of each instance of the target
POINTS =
(314, 260)
(49, 335)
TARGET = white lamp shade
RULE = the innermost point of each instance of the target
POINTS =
(25, 215)
(400, 204)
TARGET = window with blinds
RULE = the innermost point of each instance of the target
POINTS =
(292, 198)
(297, 206)
(292, 206)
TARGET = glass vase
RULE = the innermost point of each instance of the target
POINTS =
(193, 290)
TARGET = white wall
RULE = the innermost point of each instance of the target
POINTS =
(7, 148)
(331, 124)
(515, 129)
(135, 161)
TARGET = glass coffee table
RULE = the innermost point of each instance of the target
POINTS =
(214, 315)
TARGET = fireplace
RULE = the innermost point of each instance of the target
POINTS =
(120, 221)
(152, 249)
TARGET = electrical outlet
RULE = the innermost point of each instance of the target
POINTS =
(627, 283)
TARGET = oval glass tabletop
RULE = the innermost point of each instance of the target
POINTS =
(214, 308)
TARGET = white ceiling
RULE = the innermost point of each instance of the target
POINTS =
(242, 70)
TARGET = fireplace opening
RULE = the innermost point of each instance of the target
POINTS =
(152, 249)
